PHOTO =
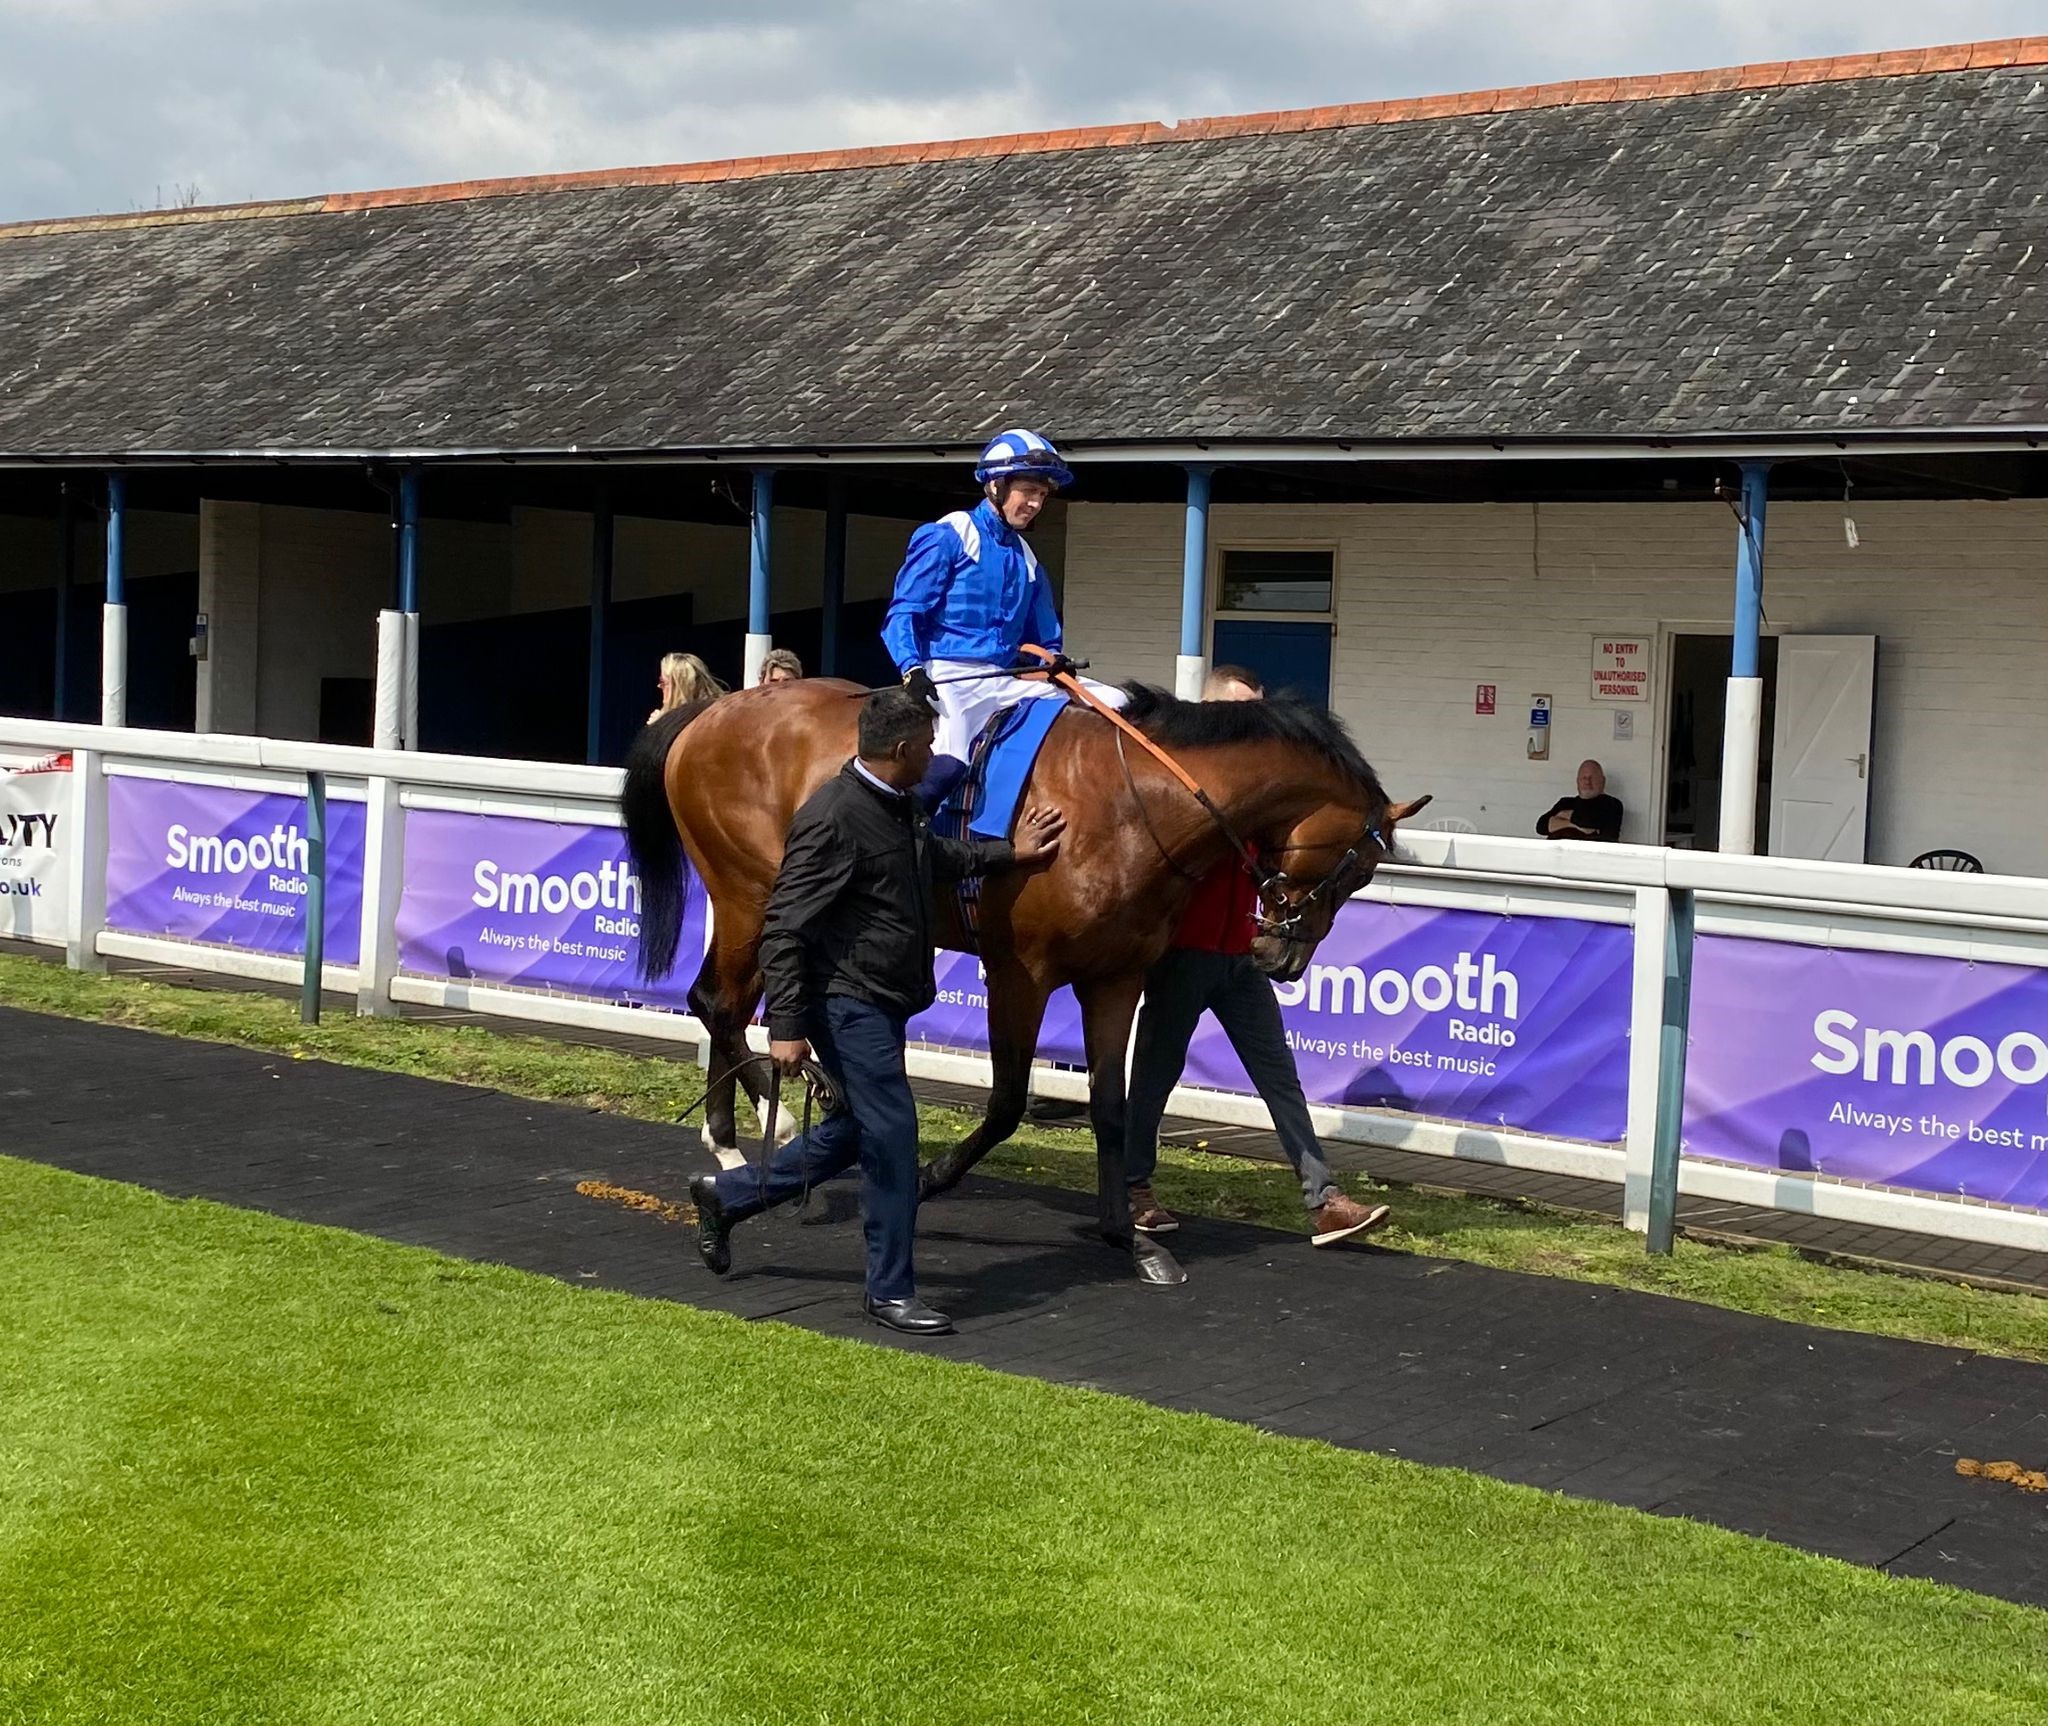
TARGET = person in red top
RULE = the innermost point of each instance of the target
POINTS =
(1209, 968)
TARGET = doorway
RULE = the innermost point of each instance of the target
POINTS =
(1693, 732)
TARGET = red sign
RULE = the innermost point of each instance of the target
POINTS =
(1482, 702)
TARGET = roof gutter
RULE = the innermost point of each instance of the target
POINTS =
(1249, 453)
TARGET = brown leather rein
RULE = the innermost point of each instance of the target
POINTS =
(1271, 883)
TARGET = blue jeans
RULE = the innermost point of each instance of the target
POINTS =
(862, 1048)
(1178, 990)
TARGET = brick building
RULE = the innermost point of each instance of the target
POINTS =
(1732, 377)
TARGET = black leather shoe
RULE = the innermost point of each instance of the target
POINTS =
(911, 1316)
(714, 1226)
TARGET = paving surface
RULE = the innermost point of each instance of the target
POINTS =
(1838, 1443)
(1704, 1219)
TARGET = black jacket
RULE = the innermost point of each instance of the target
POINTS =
(851, 912)
(1600, 816)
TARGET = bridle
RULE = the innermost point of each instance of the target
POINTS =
(1272, 883)
(1279, 917)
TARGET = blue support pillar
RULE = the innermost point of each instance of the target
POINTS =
(114, 618)
(409, 601)
(835, 574)
(1742, 738)
(397, 710)
(601, 542)
(760, 545)
(67, 571)
(409, 540)
(1191, 670)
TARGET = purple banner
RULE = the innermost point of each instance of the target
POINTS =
(1508, 1021)
(1518, 1022)
(212, 864)
(541, 904)
(959, 1018)
(1902, 1068)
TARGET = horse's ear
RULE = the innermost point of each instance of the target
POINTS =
(1399, 812)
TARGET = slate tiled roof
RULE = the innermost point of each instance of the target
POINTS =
(1772, 251)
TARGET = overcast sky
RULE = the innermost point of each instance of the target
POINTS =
(109, 105)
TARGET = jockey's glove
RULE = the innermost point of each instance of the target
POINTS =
(919, 682)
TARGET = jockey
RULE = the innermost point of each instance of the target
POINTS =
(970, 595)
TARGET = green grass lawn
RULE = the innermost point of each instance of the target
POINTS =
(1774, 1282)
(256, 1471)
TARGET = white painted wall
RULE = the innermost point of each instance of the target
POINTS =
(1435, 599)
(325, 574)
(231, 596)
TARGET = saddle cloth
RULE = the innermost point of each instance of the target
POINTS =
(984, 804)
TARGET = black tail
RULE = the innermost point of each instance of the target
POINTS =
(652, 839)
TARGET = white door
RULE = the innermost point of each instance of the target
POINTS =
(1820, 746)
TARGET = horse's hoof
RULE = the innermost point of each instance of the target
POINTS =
(1155, 1264)
(932, 1180)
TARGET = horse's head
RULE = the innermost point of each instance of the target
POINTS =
(1322, 861)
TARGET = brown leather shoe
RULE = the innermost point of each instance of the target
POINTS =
(1339, 1218)
(1149, 1216)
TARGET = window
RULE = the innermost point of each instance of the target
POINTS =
(1286, 581)
(1274, 614)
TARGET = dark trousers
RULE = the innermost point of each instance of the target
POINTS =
(862, 1048)
(1178, 990)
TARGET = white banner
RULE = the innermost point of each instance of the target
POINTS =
(35, 834)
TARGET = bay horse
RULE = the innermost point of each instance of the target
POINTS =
(720, 781)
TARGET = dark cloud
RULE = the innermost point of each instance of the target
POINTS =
(122, 104)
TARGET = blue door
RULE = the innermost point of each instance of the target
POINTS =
(1290, 658)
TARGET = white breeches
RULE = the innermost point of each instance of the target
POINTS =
(964, 708)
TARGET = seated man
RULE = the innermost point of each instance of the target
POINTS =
(1591, 814)
(1209, 968)
(968, 598)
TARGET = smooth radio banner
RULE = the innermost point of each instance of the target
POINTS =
(539, 904)
(209, 863)
(1907, 1069)
(1515, 1022)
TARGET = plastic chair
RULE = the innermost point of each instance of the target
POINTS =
(1958, 862)
(1449, 824)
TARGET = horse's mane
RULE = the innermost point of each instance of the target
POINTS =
(1173, 723)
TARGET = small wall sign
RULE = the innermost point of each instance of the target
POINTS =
(1483, 699)
(1621, 668)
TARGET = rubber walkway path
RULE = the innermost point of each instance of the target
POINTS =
(1838, 1443)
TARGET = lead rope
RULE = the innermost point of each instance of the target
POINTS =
(820, 1096)
(819, 1092)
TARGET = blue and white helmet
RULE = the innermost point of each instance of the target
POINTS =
(1023, 454)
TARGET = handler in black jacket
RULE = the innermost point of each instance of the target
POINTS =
(846, 952)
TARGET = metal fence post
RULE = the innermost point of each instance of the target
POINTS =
(383, 880)
(316, 896)
(85, 863)
(1671, 1071)
(1649, 927)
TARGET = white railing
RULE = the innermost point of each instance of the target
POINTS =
(1655, 893)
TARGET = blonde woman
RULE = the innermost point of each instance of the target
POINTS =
(684, 678)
